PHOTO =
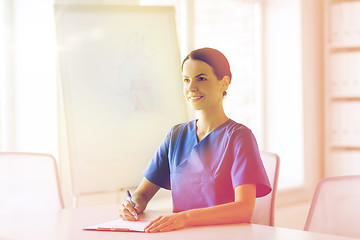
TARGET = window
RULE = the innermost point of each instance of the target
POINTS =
(233, 27)
(283, 92)
(29, 102)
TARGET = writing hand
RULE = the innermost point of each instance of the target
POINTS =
(127, 212)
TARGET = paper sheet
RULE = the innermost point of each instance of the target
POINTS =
(121, 225)
(128, 226)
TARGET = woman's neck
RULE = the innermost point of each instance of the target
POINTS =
(208, 121)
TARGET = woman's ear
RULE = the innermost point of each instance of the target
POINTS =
(225, 82)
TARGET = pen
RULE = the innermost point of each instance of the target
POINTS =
(131, 202)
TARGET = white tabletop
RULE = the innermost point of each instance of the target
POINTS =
(69, 223)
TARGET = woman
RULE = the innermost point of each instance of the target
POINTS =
(212, 165)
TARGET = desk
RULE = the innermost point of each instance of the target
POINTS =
(68, 224)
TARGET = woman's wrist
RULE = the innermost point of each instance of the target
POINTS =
(140, 202)
(186, 216)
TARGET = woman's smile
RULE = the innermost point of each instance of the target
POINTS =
(194, 98)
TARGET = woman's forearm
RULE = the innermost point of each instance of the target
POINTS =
(234, 212)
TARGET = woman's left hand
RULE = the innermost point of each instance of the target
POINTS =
(167, 223)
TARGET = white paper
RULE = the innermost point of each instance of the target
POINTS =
(121, 225)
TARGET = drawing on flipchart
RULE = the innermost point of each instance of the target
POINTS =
(124, 72)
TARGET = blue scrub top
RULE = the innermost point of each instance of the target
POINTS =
(204, 174)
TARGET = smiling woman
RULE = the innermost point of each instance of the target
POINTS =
(212, 156)
(201, 85)
(207, 75)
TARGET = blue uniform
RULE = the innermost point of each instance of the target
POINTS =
(203, 174)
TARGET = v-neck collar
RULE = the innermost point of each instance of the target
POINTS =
(195, 130)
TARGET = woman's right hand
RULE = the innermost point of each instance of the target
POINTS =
(127, 212)
(142, 195)
(130, 213)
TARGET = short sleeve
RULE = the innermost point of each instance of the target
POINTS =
(158, 171)
(248, 167)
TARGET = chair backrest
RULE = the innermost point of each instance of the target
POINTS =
(335, 208)
(265, 206)
(29, 182)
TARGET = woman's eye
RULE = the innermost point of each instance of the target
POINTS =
(186, 80)
(201, 79)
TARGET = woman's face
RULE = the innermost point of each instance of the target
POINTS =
(201, 87)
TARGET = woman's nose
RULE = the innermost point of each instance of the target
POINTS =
(192, 86)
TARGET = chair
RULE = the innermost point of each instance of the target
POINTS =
(265, 206)
(335, 208)
(29, 182)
